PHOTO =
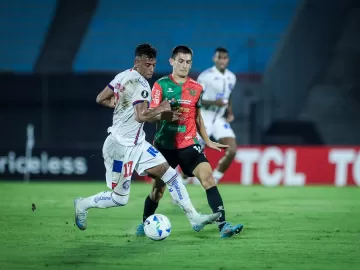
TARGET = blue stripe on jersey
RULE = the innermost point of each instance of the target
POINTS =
(117, 166)
(138, 101)
(110, 86)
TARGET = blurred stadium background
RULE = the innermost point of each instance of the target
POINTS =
(297, 64)
(297, 121)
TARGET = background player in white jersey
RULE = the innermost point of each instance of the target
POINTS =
(126, 150)
(218, 83)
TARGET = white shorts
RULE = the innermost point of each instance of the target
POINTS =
(219, 128)
(121, 161)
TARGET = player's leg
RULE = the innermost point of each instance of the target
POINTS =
(183, 177)
(157, 167)
(192, 158)
(118, 162)
(224, 134)
(158, 188)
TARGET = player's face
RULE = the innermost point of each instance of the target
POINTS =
(145, 66)
(221, 60)
(181, 64)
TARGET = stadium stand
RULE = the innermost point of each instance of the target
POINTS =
(247, 29)
(23, 26)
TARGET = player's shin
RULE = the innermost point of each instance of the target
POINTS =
(216, 204)
(105, 199)
(179, 193)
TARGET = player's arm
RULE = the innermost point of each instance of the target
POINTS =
(156, 99)
(202, 131)
(200, 126)
(206, 102)
(145, 114)
(230, 115)
(106, 97)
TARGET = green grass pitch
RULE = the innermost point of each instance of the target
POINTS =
(285, 228)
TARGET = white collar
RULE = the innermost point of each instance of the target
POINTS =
(218, 71)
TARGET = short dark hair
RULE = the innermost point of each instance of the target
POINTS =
(221, 50)
(181, 49)
(145, 49)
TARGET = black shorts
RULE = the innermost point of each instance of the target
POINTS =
(188, 158)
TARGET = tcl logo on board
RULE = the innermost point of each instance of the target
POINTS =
(43, 164)
(273, 166)
(292, 166)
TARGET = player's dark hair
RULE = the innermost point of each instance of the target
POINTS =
(146, 49)
(221, 50)
(181, 49)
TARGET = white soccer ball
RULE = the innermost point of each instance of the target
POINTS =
(157, 227)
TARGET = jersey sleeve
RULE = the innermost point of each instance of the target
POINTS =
(112, 84)
(202, 80)
(141, 91)
(156, 95)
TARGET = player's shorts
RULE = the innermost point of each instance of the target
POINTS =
(219, 128)
(121, 161)
(188, 158)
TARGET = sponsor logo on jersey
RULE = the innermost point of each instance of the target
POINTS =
(179, 128)
(157, 96)
(184, 101)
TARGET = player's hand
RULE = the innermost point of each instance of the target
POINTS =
(220, 102)
(216, 146)
(165, 104)
(112, 102)
(170, 116)
(230, 117)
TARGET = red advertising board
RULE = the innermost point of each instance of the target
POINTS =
(292, 166)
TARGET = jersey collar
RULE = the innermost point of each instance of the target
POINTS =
(218, 72)
(173, 80)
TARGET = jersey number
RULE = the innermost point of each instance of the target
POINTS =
(152, 151)
(197, 148)
(128, 169)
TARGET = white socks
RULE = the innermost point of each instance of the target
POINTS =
(217, 175)
(179, 192)
(105, 199)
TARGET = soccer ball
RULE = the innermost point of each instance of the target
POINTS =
(157, 227)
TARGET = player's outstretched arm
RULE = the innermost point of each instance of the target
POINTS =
(106, 97)
(219, 102)
(145, 114)
(202, 131)
(230, 115)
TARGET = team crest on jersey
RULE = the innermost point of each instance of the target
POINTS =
(144, 94)
(192, 92)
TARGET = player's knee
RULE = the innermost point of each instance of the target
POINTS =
(159, 170)
(207, 180)
(120, 200)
